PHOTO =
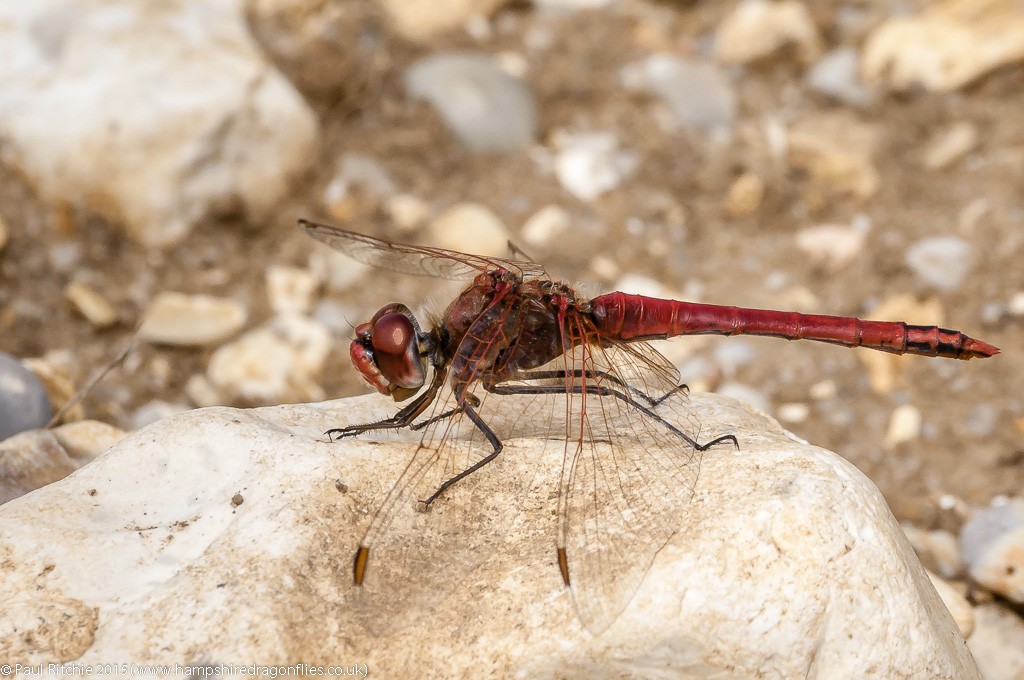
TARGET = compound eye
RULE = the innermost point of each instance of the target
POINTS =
(393, 333)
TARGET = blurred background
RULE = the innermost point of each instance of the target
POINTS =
(850, 157)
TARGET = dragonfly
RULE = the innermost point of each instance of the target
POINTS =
(629, 462)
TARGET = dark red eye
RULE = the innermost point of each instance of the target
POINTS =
(392, 333)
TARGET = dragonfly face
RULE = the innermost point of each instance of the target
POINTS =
(386, 351)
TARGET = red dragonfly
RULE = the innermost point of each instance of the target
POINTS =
(629, 463)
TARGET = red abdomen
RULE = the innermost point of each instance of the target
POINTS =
(636, 317)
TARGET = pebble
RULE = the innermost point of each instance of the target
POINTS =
(335, 316)
(950, 45)
(290, 289)
(183, 320)
(604, 268)
(832, 246)
(86, 439)
(172, 109)
(745, 195)
(279, 362)
(885, 370)
(836, 74)
(90, 304)
(546, 224)
(487, 109)
(698, 94)
(793, 412)
(950, 145)
(30, 460)
(904, 426)
(24, 403)
(201, 391)
(53, 370)
(638, 284)
(757, 29)
(5, 234)
(338, 271)
(993, 548)
(408, 212)
(1016, 304)
(956, 603)
(469, 228)
(982, 420)
(420, 19)
(746, 394)
(357, 180)
(997, 643)
(589, 164)
(941, 262)
(836, 150)
(733, 354)
(824, 389)
(155, 410)
(938, 550)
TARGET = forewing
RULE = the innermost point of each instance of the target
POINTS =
(414, 260)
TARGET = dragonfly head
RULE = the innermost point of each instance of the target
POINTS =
(386, 351)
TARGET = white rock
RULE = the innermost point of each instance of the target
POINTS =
(290, 289)
(950, 145)
(278, 362)
(151, 115)
(486, 108)
(407, 211)
(698, 94)
(939, 551)
(904, 426)
(793, 412)
(745, 394)
(421, 19)
(590, 164)
(338, 271)
(758, 28)
(832, 246)
(356, 179)
(546, 224)
(952, 44)
(836, 75)
(941, 261)
(155, 410)
(786, 563)
(998, 642)
(1016, 304)
(469, 228)
(90, 304)
(825, 389)
(993, 546)
(191, 320)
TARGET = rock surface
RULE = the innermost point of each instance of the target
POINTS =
(150, 115)
(227, 535)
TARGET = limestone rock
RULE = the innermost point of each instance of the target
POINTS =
(227, 535)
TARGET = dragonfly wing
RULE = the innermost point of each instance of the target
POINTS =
(628, 477)
(414, 260)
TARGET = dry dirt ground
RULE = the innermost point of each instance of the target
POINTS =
(961, 450)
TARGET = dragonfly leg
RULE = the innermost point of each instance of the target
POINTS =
(496, 446)
(401, 419)
(600, 375)
(473, 400)
(601, 390)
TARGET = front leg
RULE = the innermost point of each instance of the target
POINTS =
(401, 419)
